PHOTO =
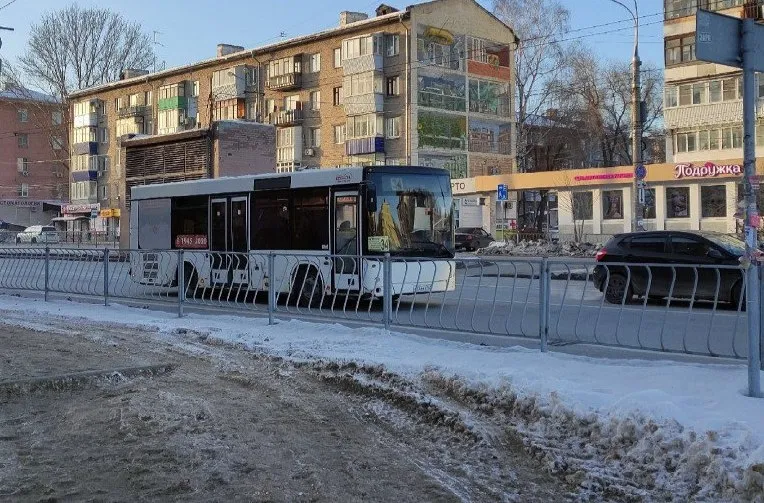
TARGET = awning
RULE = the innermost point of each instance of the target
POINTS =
(69, 218)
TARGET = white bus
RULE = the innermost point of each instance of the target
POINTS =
(327, 228)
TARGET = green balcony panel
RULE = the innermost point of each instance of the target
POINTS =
(172, 103)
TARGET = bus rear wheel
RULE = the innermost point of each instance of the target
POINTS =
(190, 281)
(307, 288)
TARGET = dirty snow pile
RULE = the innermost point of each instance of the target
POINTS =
(620, 430)
(541, 248)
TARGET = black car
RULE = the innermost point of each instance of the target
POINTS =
(662, 250)
(472, 238)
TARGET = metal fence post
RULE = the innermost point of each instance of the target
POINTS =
(387, 291)
(47, 271)
(271, 287)
(544, 285)
(181, 283)
(105, 276)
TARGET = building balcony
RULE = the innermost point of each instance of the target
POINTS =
(132, 111)
(228, 91)
(172, 103)
(85, 148)
(710, 114)
(85, 176)
(369, 145)
(87, 120)
(364, 104)
(286, 118)
(171, 130)
(361, 64)
(285, 82)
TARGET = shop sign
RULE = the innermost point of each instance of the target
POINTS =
(603, 176)
(470, 201)
(463, 186)
(20, 203)
(192, 241)
(110, 213)
(707, 170)
(80, 208)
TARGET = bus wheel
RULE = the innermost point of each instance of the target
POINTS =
(307, 289)
(190, 280)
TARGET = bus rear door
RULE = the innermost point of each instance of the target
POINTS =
(229, 236)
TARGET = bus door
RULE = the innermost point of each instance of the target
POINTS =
(238, 240)
(219, 262)
(347, 264)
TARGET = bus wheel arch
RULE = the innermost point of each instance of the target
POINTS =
(190, 279)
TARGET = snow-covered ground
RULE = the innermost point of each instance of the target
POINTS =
(683, 429)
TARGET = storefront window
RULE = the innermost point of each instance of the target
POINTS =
(713, 200)
(612, 204)
(677, 202)
(582, 203)
(649, 206)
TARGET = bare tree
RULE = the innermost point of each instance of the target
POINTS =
(598, 96)
(539, 60)
(78, 47)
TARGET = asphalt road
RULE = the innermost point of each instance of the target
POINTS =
(491, 297)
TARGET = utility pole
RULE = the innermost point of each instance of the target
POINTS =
(638, 191)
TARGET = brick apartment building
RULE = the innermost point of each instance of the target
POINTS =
(429, 85)
(33, 153)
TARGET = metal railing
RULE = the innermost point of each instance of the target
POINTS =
(678, 308)
(85, 239)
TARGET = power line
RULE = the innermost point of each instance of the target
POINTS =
(7, 4)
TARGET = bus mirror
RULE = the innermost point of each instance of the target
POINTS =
(371, 197)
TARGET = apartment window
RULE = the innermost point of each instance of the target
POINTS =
(362, 83)
(703, 140)
(729, 89)
(56, 118)
(612, 204)
(686, 142)
(393, 86)
(680, 50)
(284, 66)
(23, 115)
(713, 201)
(392, 45)
(759, 133)
(314, 65)
(713, 139)
(24, 190)
(677, 202)
(339, 134)
(314, 137)
(583, 203)
(172, 91)
(56, 142)
(270, 106)
(679, 8)
(104, 192)
(22, 165)
(685, 95)
(133, 100)
(364, 126)
(22, 139)
(360, 46)
(699, 93)
(337, 57)
(291, 102)
(315, 100)
(393, 127)
(118, 103)
(715, 91)
(671, 99)
(732, 137)
(148, 98)
(337, 96)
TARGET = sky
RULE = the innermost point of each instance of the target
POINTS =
(189, 30)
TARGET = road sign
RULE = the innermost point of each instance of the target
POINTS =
(717, 40)
(641, 195)
(641, 184)
(640, 171)
(501, 192)
(93, 213)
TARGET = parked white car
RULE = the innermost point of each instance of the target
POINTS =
(38, 234)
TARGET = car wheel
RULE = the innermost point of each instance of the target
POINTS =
(618, 290)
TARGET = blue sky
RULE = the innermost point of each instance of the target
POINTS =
(190, 29)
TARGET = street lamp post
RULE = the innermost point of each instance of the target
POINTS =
(636, 123)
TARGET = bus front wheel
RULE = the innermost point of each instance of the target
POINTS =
(307, 288)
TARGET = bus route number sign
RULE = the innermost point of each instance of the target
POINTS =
(192, 241)
(379, 243)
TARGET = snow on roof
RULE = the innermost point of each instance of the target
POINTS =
(23, 94)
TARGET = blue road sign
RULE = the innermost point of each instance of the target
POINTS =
(640, 171)
(501, 192)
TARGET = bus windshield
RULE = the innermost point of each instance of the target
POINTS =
(413, 215)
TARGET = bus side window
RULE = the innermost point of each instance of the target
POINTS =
(311, 219)
(271, 228)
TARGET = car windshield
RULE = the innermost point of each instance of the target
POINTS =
(731, 244)
(48, 229)
(413, 215)
(465, 230)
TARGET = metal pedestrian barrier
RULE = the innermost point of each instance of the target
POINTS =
(690, 309)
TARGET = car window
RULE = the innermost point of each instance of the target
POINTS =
(731, 244)
(49, 229)
(648, 244)
(689, 246)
